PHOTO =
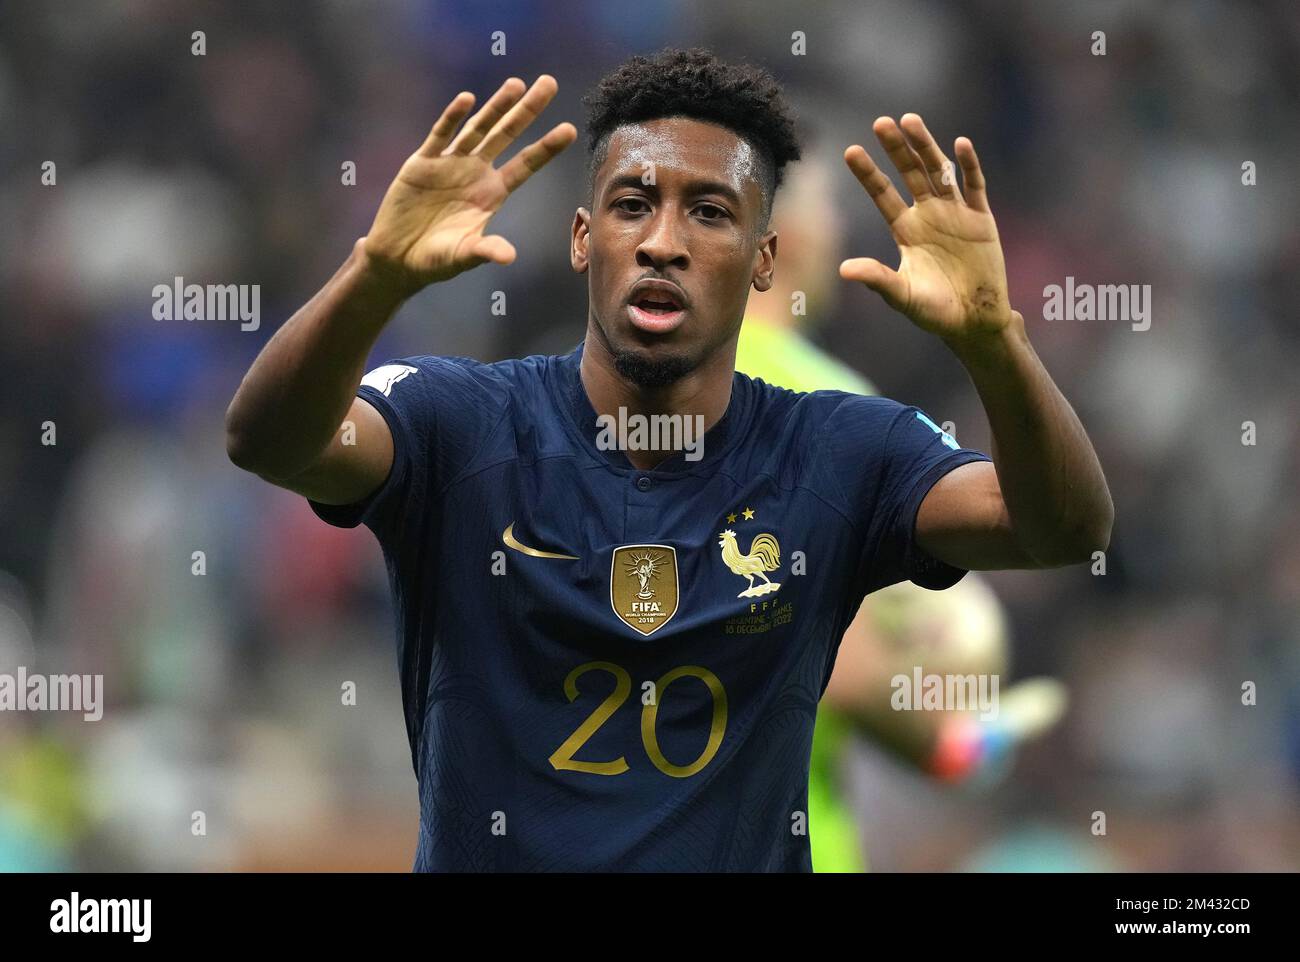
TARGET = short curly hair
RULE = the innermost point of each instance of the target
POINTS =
(695, 83)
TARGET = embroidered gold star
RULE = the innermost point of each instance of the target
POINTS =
(749, 514)
(731, 518)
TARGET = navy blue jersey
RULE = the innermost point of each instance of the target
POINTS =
(608, 668)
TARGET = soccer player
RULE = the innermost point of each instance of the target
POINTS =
(611, 654)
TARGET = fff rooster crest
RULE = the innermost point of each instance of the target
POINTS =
(764, 555)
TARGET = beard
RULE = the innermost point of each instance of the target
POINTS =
(652, 372)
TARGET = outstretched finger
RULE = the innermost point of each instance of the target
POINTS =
(494, 249)
(520, 116)
(537, 155)
(440, 135)
(885, 281)
(482, 122)
(877, 183)
(938, 168)
(903, 157)
(972, 174)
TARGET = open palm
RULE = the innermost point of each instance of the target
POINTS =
(430, 225)
(951, 279)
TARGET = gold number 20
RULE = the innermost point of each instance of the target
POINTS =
(563, 759)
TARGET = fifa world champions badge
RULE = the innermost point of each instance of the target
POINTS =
(643, 586)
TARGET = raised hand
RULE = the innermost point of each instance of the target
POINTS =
(430, 224)
(952, 280)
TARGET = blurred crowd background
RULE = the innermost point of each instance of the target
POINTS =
(223, 691)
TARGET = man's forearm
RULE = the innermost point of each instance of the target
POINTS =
(299, 388)
(1051, 479)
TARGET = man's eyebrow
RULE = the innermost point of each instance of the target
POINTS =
(694, 187)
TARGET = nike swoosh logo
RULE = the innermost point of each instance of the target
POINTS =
(508, 536)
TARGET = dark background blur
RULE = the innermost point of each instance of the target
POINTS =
(223, 691)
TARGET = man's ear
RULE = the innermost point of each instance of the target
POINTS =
(578, 242)
(765, 262)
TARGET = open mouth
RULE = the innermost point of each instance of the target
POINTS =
(656, 307)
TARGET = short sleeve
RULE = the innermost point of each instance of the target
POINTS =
(887, 457)
(436, 409)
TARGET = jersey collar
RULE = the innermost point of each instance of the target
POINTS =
(718, 439)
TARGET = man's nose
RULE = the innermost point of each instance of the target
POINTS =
(663, 244)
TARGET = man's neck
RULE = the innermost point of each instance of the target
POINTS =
(705, 391)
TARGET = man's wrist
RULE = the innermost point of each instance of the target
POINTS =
(382, 287)
(985, 349)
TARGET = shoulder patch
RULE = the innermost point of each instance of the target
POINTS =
(383, 378)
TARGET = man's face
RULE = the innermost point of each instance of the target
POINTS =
(672, 244)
